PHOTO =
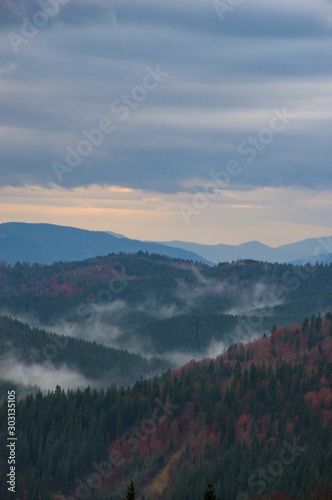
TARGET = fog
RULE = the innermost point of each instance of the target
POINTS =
(191, 294)
(262, 296)
(45, 376)
(108, 323)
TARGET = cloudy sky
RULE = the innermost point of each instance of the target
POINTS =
(200, 120)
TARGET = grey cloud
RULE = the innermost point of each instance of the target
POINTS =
(261, 57)
(13, 11)
(256, 18)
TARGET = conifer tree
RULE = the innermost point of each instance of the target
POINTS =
(131, 494)
(209, 493)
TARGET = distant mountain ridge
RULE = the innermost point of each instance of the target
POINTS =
(302, 252)
(48, 243)
(315, 259)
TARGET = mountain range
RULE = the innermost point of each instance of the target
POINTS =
(48, 243)
(310, 250)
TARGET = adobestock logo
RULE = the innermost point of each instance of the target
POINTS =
(260, 480)
(122, 107)
(247, 150)
(130, 440)
(222, 8)
(30, 27)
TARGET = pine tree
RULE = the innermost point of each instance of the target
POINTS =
(210, 494)
(318, 323)
(305, 325)
(131, 494)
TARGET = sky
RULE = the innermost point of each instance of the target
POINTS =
(201, 120)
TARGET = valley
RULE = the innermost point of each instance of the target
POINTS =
(237, 357)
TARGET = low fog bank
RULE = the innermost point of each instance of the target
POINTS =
(113, 324)
(45, 377)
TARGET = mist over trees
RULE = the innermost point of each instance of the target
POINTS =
(227, 419)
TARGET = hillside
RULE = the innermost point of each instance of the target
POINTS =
(155, 304)
(33, 356)
(254, 421)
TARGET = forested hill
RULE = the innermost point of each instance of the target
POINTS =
(164, 304)
(25, 351)
(254, 421)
